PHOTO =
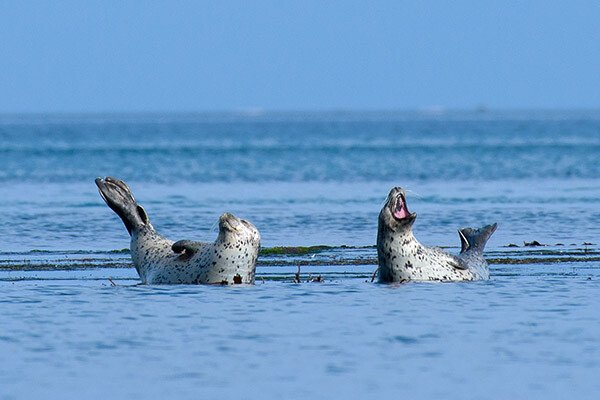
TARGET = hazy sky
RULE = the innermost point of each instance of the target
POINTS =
(71, 56)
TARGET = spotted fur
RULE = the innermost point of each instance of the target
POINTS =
(230, 259)
(402, 258)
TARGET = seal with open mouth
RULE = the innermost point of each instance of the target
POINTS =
(402, 258)
(230, 259)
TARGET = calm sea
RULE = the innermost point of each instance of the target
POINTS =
(304, 179)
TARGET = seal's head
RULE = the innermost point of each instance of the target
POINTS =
(234, 228)
(395, 215)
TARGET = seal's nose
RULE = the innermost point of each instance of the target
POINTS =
(396, 190)
(226, 216)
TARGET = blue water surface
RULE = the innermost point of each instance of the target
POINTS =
(527, 333)
(302, 178)
(532, 331)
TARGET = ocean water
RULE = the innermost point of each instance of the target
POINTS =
(304, 179)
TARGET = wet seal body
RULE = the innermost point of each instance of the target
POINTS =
(230, 259)
(402, 258)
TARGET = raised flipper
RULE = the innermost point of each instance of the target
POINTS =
(475, 239)
(119, 198)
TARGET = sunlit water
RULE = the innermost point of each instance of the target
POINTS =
(532, 331)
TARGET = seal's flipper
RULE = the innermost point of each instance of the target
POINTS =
(187, 248)
(464, 242)
(458, 264)
(475, 239)
(185, 245)
(119, 198)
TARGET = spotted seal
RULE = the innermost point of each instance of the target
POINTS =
(230, 259)
(402, 258)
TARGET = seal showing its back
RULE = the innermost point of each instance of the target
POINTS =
(231, 258)
(402, 258)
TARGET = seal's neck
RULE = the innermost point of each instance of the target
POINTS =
(399, 237)
(405, 237)
(143, 232)
(226, 239)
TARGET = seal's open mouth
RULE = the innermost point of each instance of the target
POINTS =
(399, 208)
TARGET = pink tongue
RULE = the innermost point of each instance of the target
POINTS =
(401, 211)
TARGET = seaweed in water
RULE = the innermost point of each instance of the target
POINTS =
(285, 250)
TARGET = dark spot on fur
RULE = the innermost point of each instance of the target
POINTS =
(237, 279)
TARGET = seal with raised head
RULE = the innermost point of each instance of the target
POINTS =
(230, 259)
(402, 258)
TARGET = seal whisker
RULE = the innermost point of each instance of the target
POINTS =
(413, 193)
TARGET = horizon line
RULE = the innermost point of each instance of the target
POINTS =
(257, 111)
